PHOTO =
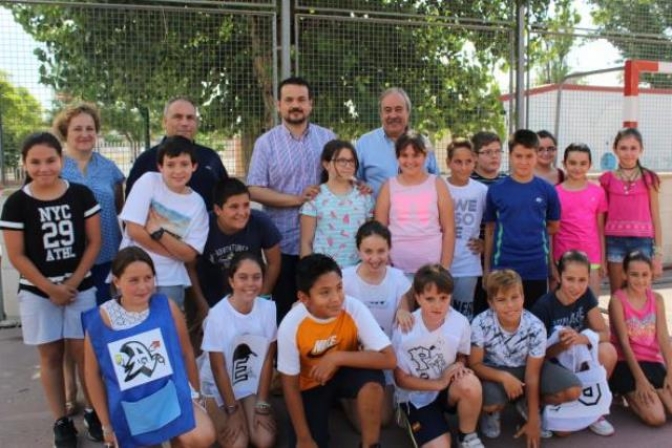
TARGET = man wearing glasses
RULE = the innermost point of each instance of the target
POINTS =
(375, 149)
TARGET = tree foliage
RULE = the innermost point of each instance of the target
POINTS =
(21, 114)
(640, 29)
(443, 52)
(551, 42)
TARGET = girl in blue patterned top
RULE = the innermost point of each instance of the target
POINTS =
(329, 222)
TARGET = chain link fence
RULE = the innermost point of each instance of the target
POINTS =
(587, 104)
(455, 59)
(131, 57)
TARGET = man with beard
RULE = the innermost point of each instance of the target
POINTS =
(284, 173)
(375, 149)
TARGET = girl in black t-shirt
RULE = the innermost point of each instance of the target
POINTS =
(52, 235)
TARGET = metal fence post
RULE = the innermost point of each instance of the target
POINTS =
(285, 40)
(520, 64)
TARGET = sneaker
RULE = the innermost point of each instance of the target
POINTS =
(490, 425)
(471, 441)
(545, 433)
(94, 428)
(521, 408)
(65, 434)
(602, 427)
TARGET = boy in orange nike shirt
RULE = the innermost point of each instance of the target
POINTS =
(320, 359)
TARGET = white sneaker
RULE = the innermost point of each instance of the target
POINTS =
(545, 433)
(471, 441)
(602, 427)
(490, 425)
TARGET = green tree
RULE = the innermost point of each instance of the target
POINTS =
(640, 29)
(129, 59)
(20, 115)
(551, 42)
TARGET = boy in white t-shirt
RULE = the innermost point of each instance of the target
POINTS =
(167, 218)
(320, 359)
(431, 376)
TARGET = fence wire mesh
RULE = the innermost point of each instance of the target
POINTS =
(453, 92)
(130, 59)
(455, 59)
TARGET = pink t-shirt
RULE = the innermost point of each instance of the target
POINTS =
(578, 221)
(629, 212)
(641, 327)
(414, 224)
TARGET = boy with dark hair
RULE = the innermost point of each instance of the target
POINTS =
(488, 148)
(168, 219)
(320, 360)
(234, 227)
(521, 212)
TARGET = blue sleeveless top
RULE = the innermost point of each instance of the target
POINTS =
(148, 393)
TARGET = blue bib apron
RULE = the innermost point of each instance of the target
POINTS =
(148, 393)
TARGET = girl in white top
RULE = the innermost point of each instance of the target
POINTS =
(240, 341)
(469, 201)
(380, 287)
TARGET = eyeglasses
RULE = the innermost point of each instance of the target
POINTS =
(490, 153)
(548, 149)
(344, 162)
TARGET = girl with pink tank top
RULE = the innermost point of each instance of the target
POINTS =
(639, 333)
(417, 208)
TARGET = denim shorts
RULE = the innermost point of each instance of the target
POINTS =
(619, 246)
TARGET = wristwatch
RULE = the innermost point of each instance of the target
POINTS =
(156, 235)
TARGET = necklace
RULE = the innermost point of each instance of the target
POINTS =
(628, 176)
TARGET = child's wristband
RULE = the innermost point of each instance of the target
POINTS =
(657, 251)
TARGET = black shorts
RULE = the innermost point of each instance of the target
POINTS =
(428, 422)
(623, 382)
(317, 401)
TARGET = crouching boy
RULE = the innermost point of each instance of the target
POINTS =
(431, 375)
(320, 360)
(508, 345)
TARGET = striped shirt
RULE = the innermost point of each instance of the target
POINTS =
(288, 165)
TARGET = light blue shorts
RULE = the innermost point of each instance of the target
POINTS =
(42, 321)
(174, 293)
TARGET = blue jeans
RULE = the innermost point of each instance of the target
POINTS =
(620, 246)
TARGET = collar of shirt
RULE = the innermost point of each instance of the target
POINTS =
(289, 134)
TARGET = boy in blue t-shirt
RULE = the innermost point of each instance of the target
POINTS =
(521, 212)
